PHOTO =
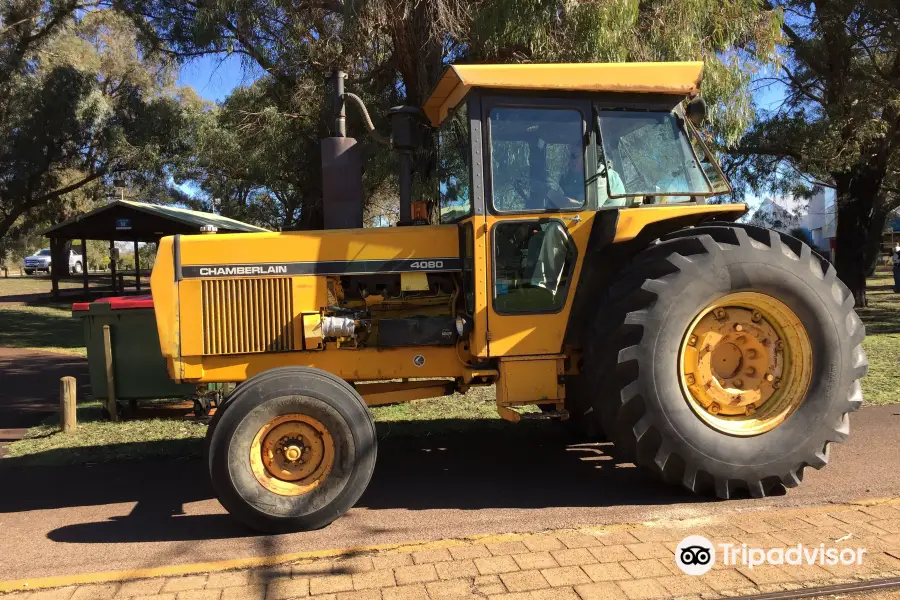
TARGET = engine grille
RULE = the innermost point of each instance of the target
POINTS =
(242, 316)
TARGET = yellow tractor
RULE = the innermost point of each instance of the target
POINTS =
(578, 266)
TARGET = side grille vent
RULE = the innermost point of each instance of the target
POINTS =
(241, 316)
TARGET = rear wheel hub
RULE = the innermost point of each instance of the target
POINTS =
(746, 363)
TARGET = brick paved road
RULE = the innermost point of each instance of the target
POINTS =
(617, 562)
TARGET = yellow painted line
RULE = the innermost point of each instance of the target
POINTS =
(875, 501)
(280, 559)
(232, 564)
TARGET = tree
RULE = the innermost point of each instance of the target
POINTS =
(839, 123)
(80, 108)
(396, 50)
(253, 156)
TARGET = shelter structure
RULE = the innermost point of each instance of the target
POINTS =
(130, 221)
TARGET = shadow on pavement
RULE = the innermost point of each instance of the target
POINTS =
(483, 468)
(29, 384)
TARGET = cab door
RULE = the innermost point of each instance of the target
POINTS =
(540, 205)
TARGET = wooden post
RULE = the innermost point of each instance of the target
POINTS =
(54, 266)
(112, 264)
(84, 265)
(67, 418)
(137, 268)
(110, 379)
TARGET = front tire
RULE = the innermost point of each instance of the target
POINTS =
(77, 269)
(662, 416)
(295, 450)
(29, 271)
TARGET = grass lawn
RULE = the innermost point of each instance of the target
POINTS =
(50, 328)
(53, 328)
(13, 286)
(96, 440)
(882, 344)
(36, 288)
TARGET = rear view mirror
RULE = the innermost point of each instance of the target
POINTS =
(696, 111)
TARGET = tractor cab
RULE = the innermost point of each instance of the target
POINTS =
(570, 137)
(530, 156)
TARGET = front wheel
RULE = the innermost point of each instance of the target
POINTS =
(294, 450)
(77, 268)
(736, 357)
(29, 271)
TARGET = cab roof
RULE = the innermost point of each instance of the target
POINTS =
(681, 78)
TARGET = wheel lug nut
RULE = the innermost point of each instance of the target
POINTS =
(741, 340)
(692, 340)
(738, 327)
(714, 408)
(751, 353)
(750, 409)
(750, 372)
(738, 383)
(756, 316)
(690, 378)
(769, 377)
(720, 313)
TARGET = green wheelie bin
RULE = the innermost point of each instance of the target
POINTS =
(139, 368)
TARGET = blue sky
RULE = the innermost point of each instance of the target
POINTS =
(214, 76)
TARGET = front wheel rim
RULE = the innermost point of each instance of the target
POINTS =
(745, 364)
(292, 455)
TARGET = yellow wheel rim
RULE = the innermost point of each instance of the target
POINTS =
(292, 454)
(746, 363)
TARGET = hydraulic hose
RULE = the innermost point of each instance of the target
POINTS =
(367, 120)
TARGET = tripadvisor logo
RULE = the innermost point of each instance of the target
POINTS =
(695, 555)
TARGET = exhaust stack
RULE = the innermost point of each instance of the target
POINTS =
(342, 189)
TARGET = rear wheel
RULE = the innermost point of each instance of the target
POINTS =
(735, 354)
(77, 268)
(294, 450)
(29, 271)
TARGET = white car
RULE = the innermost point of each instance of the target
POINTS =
(40, 261)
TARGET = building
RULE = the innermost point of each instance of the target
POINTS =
(821, 219)
(817, 216)
(781, 214)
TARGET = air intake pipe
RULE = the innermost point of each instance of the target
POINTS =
(342, 166)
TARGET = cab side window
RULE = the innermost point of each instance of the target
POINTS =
(454, 180)
(537, 159)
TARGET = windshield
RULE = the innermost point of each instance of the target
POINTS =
(650, 154)
(43, 253)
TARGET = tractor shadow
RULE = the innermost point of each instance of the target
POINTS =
(486, 467)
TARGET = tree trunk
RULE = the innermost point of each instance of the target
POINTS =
(876, 232)
(859, 220)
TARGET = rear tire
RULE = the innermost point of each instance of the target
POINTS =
(76, 270)
(639, 336)
(29, 271)
(301, 395)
